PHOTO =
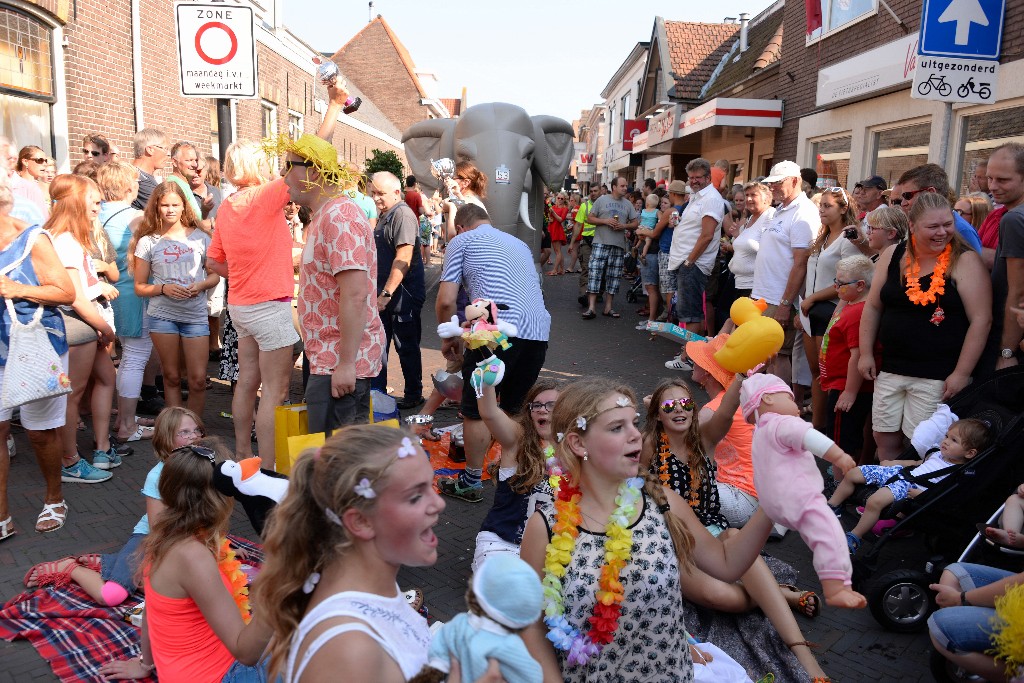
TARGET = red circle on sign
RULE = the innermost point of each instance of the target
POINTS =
(231, 34)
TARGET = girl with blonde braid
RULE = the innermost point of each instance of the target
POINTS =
(614, 549)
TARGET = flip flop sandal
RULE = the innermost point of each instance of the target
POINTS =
(50, 514)
(7, 528)
(589, 315)
(141, 433)
(145, 421)
(50, 573)
(91, 561)
(611, 314)
(414, 597)
(809, 602)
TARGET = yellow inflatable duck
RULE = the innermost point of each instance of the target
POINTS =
(755, 339)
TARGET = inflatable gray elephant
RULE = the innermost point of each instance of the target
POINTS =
(518, 153)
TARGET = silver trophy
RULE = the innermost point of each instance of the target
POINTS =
(444, 170)
(327, 73)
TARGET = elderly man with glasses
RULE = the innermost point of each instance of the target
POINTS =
(781, 263)
(150, 150)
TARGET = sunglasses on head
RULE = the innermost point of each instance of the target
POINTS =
(201, 451)
(92, 152)
(671, 404)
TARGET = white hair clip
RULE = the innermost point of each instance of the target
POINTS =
(332, 516)
(559, 436)
(581, 423)
(623, 402)
(365, 489)
(404, 451)
(311, 581)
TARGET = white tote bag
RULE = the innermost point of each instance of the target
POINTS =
(34, 370)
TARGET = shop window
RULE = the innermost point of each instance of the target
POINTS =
(900, 149)
(26, 60)
(832, 161)
(294, 125)
(981, 134)
(269, 121)
(837, 14)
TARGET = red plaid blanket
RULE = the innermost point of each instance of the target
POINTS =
(74, 634)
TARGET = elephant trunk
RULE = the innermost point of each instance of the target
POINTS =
(524, 210)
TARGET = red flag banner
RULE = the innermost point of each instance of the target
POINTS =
(813, 15)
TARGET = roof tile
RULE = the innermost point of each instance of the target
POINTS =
(695, 49)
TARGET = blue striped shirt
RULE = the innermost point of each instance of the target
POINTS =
(494, 265)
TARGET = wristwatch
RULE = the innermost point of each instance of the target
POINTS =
(386, 294)
(686, 263)
(1006, 353)
(785, 302)
(963, 599)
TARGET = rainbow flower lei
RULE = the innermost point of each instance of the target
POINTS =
(232, 569)
(618, 547)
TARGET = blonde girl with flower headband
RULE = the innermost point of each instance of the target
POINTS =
(930, 306)
(679, 451)
(197, 625)
(358, 508)
(614, 549)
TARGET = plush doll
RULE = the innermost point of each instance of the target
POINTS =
(505, 597)
(482, 330)
(789, 485)
(258, 490)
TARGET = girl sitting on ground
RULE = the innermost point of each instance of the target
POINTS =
(358, 508)
(521, 472)
(110, 579)
(676, 448)
(614, 550)
(197, 626)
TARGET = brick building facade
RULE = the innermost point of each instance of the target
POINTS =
(101, 79)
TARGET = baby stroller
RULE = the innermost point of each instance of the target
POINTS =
(636, 288)
(894, 572)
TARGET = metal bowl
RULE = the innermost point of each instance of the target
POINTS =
(448, 384)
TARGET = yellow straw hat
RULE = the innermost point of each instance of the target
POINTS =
(321, 153)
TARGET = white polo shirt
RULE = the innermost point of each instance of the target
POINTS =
(792, 227)
(707, 202)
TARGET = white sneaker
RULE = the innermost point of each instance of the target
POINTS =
(642, 325)
(681, 365)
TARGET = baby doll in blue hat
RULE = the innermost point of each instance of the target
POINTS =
(505, 597)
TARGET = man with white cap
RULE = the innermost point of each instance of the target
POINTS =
(782, 256)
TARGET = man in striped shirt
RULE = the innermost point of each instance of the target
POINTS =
(497, 266)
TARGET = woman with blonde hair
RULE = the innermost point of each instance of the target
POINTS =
(974, 208)
(615, 548)
(76, 207)
(887, 225)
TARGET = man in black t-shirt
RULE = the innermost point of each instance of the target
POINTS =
(400, 287)
(150, 154)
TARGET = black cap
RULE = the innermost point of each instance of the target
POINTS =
(874, 181)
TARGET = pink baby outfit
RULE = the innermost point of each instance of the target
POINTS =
(789, 488)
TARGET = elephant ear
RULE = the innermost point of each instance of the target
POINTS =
(426, 140)
(553, 154)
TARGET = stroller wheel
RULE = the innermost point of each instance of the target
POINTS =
(900, 600)
(945, 671)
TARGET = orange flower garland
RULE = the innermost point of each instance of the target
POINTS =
(938, 284)
(232, 569)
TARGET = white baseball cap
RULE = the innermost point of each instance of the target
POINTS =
(783, 170)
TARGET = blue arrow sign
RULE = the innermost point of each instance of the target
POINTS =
(970, 29)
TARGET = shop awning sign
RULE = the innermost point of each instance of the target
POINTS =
(216, 50)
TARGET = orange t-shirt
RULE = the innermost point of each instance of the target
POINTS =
(253, 237)
(185, 648)
(732, 454)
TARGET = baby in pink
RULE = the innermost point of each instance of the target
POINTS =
(789, 485)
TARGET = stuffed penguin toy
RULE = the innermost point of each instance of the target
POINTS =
(258, 490)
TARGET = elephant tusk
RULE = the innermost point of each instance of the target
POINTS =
(524, 211)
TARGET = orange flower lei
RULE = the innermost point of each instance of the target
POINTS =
(232, 568)
(938, 285)
(663, 452)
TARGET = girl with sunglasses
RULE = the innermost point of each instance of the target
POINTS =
(678, 451)
(197, 626)
(520, 474)
(110, 579)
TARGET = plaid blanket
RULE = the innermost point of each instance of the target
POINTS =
(74, 634)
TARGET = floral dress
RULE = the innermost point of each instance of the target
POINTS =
(650, 643)
(704, 501)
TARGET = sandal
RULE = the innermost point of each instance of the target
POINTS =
(145, 421)
(414, 597)
(7, 528)
(589, 315)
(611, 314)
(809, 602)
(50, 573)
(91, 561)
(50, 514)
(141, 433)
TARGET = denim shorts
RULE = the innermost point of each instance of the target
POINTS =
(240, 673)
(690, 285)
(187, 330)
(649, 272)
(966, 629)
(122, 567)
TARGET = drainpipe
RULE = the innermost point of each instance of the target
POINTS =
(744, 18)
(140, 119)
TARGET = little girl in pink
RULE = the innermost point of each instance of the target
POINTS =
(789, 485)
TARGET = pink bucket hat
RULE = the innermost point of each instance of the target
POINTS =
(755, 387)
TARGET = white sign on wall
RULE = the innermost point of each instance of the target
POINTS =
(216, 50)
(870, 72)
(955, 80)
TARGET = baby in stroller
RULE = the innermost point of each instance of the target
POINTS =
(964, 439)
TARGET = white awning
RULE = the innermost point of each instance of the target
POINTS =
(730, 111)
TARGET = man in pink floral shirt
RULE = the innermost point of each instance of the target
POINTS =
(342, 332)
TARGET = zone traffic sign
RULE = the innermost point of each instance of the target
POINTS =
(216, 50)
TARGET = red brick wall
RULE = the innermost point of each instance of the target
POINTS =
(373, 64)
